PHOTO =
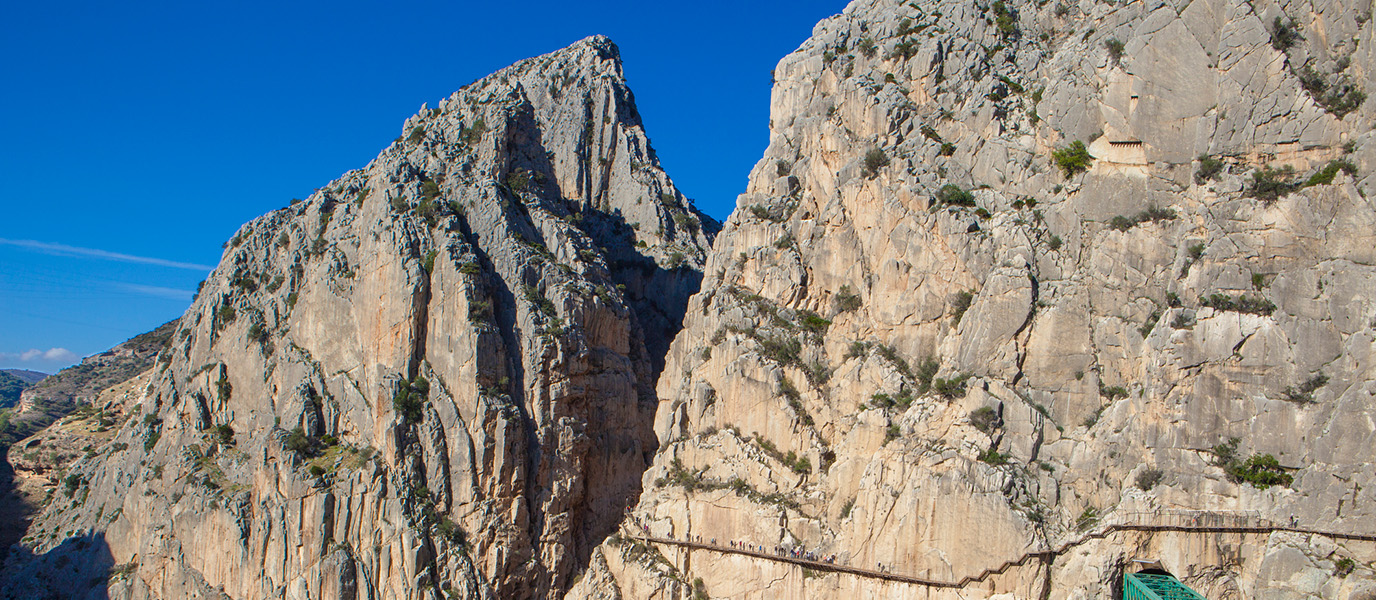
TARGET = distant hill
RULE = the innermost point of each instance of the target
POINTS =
(10, 388)
(57, 395)
(25, 375)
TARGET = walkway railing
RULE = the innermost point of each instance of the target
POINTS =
(1163, 521)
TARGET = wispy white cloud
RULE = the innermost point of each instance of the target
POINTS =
(65, 250)
(158, 291)
(34, 354)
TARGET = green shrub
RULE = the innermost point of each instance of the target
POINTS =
(1344, 567)
(1151, 215)
(951, 195)
(257, 333)
(1225, 453)
(1055, 243)
(1115, 49)
(985, 419)
(687, 222)
(1342, 99)
(874, 160)
(469, 135)
(225, 315)
(812, 323)
(1260, 470)
(847, 300)
(223, 388)
(867, 47)
(1112, 393)
(409, 400)
(952, 388)
(1304, 392)
(429, 262)
(417, 134)
(1148, 478)
(1269, 184)
(1004, 19)
(1073, 159)
(1087, 519)
(518, 180)
(300, 443)
(70, 484)
(1325, 175)
(960, 304)
(1255, 305)
(948, 149)
(1284, 34)
(993, 457)
(892, 433)
(534, 296)
(224, 433)
(1209, 168)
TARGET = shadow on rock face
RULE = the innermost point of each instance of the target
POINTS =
(81, 568)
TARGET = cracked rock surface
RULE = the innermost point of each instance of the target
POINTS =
(857, 318)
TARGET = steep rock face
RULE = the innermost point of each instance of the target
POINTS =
(940, 379)
(435, 375)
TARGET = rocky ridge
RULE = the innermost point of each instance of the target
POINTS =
(433, 377)
(1009, 270)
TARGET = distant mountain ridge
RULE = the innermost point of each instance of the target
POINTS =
(25, 375)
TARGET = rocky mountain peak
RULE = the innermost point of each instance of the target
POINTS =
(453, 348)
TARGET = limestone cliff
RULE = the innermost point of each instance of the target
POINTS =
(434, 377)
(1011, 270)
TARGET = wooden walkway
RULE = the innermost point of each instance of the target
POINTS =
(1187, 522)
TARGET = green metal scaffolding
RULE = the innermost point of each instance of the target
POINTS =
(1151, 586)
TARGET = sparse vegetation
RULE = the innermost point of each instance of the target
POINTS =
(874, 160)
(1325, 175)
(952, 195)
(301, 444)
(1344, 567)
(952, 388)
(1255, 305)
(1115, 49)
(1112, 393)
(1304, 392)
(1209, 168)
(409, 399)
(985, 419)
(1269, 184)
(70, 484)
(960, 304)
(1151, 215)
(1148, 478)
(847, 300)
(1073, 159)
(1088, 518)
(224, 434)
(1260, 470)
(993, 457)
(1284, 34)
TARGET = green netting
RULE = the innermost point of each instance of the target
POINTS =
(1150, 586)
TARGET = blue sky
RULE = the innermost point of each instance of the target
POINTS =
(137, 137)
